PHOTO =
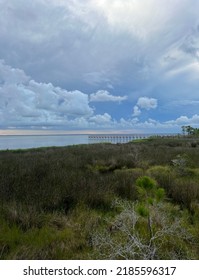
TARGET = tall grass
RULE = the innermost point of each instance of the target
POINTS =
(52, 199)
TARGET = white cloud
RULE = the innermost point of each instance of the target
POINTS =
(27, 102)
(155, 126)
(147, 103)
(142, 19)
(105, 96)
(190, 69)
(136, 111)
(9, 75)
(184, 120)
(101, 119)
(144, 103)
(51, 98)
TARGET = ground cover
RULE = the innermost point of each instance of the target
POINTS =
(138, 200)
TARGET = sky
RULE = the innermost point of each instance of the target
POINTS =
(111, 65)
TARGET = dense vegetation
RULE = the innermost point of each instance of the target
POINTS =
(189, 130)
(138, 200)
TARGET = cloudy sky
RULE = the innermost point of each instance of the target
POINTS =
(99, 64)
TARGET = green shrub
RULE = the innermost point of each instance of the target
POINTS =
(184, 191)
(164, 175)
(146, 183)
(124, 182)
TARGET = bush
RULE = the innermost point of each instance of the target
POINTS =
(164, 175)
(169, 239)
(184, 191)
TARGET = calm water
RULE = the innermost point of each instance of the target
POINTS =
(25, 142)
(35, 141)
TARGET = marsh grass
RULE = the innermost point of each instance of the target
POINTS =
(53, 200)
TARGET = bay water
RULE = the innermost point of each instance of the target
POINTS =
(11, 142)
(34, 141)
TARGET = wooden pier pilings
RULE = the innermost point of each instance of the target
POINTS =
(116, 138)
(122, 138)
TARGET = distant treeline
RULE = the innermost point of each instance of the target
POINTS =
(187, 129)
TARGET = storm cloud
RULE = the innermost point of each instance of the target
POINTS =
(86, 64)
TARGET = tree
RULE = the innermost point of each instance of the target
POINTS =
(147, 229)
(148, 194)
(128, 240)
(187, 129)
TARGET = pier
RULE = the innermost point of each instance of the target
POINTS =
(116, 138)
(123, 138)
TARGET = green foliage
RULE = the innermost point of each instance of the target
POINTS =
(148, 190)
(164, 175)
(53, 200)
(142, 210)
(187, 129)
(146, 183)
(185, 191)
(160, 194)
